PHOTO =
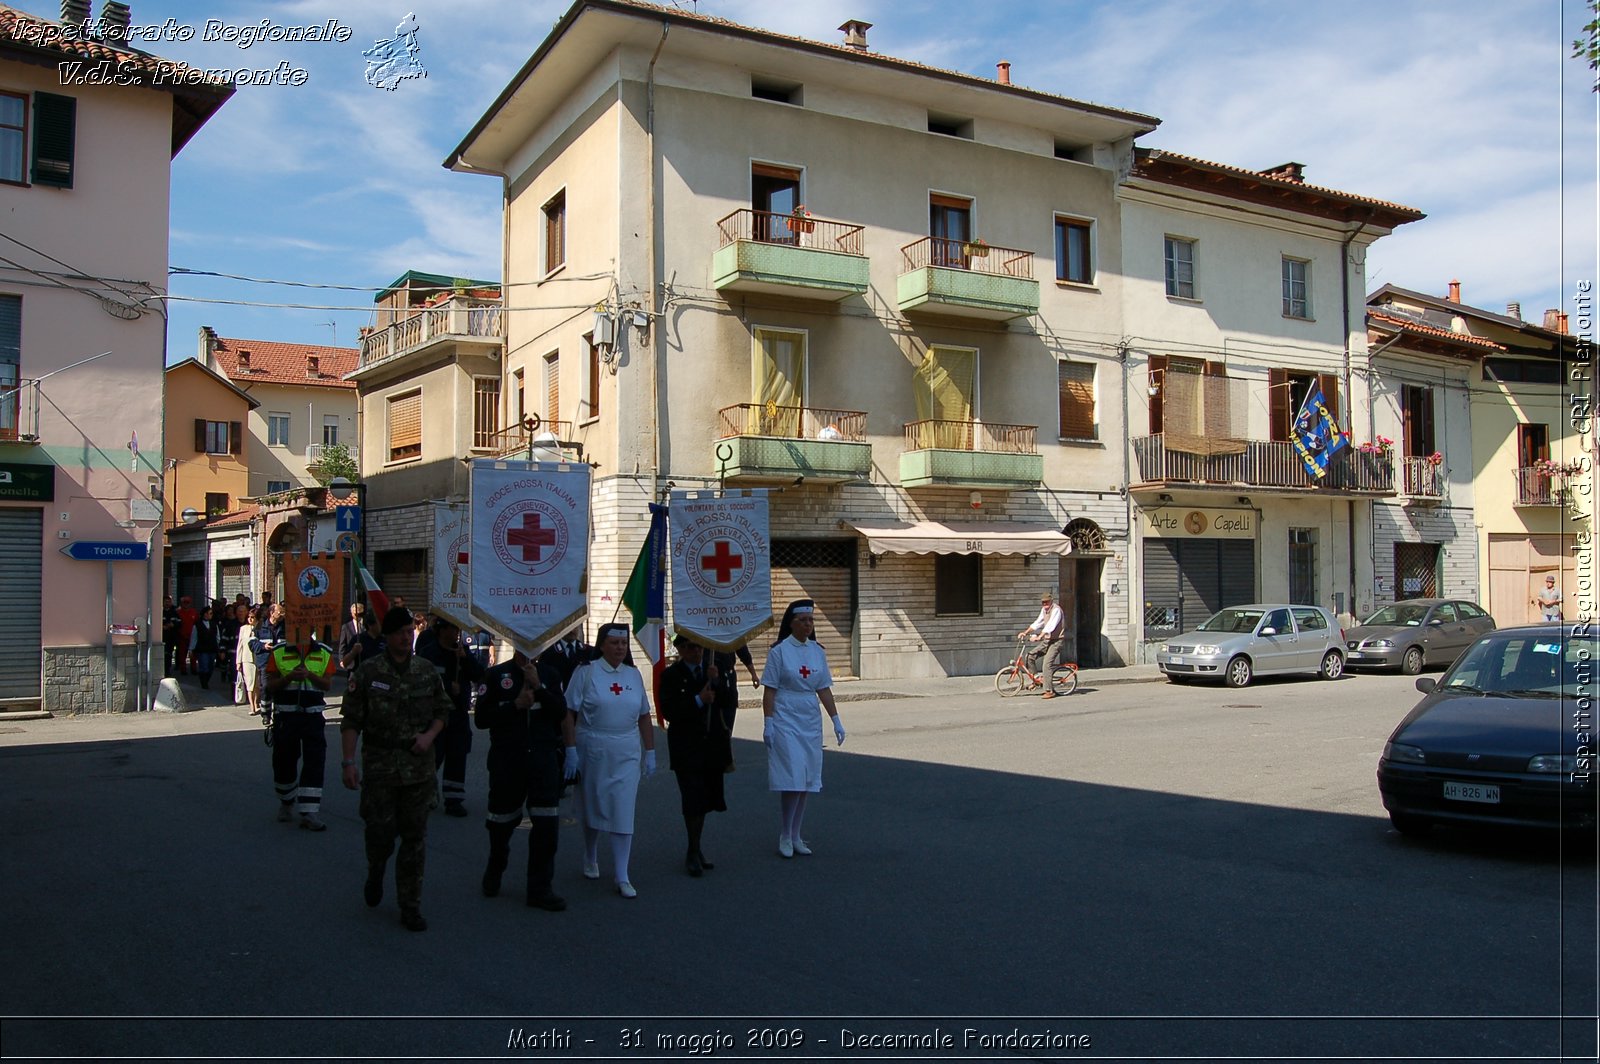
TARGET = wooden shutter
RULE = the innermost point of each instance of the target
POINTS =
(235, 437)
(555, 231)
(1278, 413)
(405, 427)
(55, 120)
(1329, 383)
(200, 435)
(1157, 372)
(552, 389)
(1075, 395)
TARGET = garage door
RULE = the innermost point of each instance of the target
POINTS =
(21, 533)
(823, 570)
(1186, 581)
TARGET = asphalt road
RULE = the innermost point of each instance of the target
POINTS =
(1135, 871)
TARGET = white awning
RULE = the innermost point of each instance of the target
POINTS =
(961, 537)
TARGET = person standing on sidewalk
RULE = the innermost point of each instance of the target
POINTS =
(1046, 628)
(795, 679)
(396, 707)
(203, 644)
(298, 676)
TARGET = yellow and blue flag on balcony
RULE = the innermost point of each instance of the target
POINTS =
(1316, 435)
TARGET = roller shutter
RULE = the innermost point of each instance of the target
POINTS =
(21, 539)
(822, 570)
(403, 573)
(233, 579)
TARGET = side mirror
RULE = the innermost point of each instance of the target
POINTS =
(1427, 684)
(1269, 631)
(1436, 621)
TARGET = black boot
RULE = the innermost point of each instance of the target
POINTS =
(543, 834)
(372, 890)
(499, 855)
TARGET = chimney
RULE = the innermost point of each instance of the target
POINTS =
(1455, 292)
(114, 18)
(244, 360)
(855, 34)
(1552, 320)
(313, 365)
(74, 12)
(1287, 172)
(1561, 323)
(1514, 310)
(1002, 71)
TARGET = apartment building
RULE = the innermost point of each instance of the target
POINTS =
(208, 454)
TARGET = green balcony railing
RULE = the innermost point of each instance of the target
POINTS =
(967, 279)
(970, 454)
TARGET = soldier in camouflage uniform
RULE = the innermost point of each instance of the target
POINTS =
(397, 704)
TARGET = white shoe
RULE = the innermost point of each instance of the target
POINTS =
(626, 890)
(800, 847)
(785, 846)
(591, 870)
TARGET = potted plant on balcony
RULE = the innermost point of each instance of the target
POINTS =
(975, 249)
(1436, 458)
(800, 220)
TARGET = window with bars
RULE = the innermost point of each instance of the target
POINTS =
(1075, 394)
(555, 232)
(405, 427)
(485, 411)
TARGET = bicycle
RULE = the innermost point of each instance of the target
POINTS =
(1018, 675)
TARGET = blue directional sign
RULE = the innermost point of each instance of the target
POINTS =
(347, 518)
(89, 551)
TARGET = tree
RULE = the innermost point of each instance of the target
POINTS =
(1587, 47)
(334, 462)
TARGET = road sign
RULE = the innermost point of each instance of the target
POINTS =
(347, 518)
(89, 551)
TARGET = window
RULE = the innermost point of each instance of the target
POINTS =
(778, 382)
(555, 232)
(763, 88)
(950, 125)
(957, 584)
(1445, 612)
(485, 412)
(1190, 397)
(1072, 251)
(1533, 445)
(1296, 288)
(1179, 254)
(13, 138)
(774, 196)
(950, 225)
(216, 503)
(1278, 620)
(54, 137)
(592, 398)
(1468, 611)
(552, 387)
(277, 430)
(521, 387)
(1075, 393)
(405, 427)
(217, 437)
(1518, 371)
(1308, 619)
(330, 429)
(1416, 410)
(1303, 566)
(275, 486)
(1286, 396)
(10, 363)
(944, 388)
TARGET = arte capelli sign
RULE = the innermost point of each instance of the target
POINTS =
(1186, 522)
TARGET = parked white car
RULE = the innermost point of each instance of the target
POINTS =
(1239, 643)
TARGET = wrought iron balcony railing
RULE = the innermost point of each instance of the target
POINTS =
(1256, 464)
(792, 422)
(940, 435)
(1424, 478)
(19, 411)
(1538, 486)
(795, 230)
(541, 440)
(973, 255)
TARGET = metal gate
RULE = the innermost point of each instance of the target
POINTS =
(823, 570)
(1186, 581)
(21, 589)
(403, 574)
(233, 579)
(1416, 570)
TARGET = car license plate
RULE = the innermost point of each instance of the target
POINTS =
(1176, 661)
(1472, 792)
(1354, 654)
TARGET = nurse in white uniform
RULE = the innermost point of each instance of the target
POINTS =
(610, 707)
(796, 678)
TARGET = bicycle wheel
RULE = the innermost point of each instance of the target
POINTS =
(1008, 681)
(1064, 679)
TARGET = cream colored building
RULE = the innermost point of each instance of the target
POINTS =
(208, 453)
(85, 178)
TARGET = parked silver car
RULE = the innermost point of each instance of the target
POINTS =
(1414, 633)
(1239, 643)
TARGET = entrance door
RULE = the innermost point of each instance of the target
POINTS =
(1082, 609)
(774, 194)
(21, 540)
(1416, 570)
(822, 570)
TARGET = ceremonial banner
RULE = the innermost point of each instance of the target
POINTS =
(1316, 435)
(721, 567)
(313, 595)
(451, 596)
(529, 549)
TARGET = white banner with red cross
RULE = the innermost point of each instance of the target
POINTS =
(721, 566)
(529, 549)
(451, 596)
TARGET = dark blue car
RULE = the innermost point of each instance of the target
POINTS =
(1506, 736)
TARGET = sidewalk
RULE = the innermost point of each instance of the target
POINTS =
(935, 686)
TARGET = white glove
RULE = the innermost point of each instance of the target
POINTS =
(649, 762)
(838, 729)
(569, 764)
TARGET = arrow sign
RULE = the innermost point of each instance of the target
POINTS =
(89, 551)
(347, 518)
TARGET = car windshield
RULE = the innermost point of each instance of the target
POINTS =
(1231, 620)
(1405, 614)
(1537, 664)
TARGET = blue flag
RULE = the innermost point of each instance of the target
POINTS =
(1316, 435)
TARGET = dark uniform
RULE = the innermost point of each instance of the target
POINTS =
(566, 655)
(390, 705)
(699, 736)
(460, 673)
(525, 753)
(299, 738)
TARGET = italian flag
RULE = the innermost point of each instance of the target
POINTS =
(377, 601)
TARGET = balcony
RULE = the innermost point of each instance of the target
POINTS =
(1541, 486)
(1423, 479)
(970, 454)
(764, 441)
(967, 279)
(457, 319)
(789, 255)
(534, 440)
(19, 412)
(315, 451)
(1229, 464)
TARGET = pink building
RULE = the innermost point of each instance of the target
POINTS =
(85, 173)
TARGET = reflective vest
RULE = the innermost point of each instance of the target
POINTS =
(300, 694)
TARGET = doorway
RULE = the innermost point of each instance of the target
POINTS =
(1082, 610)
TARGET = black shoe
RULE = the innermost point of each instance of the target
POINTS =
(707, 865)
(455, 809)
(491, 881)
(547, 900)
(412, 919)
(373, 890)
(694, 866)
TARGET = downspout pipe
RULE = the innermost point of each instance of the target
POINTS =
(1135, 630)
(655, 249)
(1349, 410)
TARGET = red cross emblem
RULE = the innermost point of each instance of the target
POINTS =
(722, 561)
(461, 558)
(805, 672)
(616, 688)
(530, 537)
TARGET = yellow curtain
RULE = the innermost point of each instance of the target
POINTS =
(779, 383)
(943, 389)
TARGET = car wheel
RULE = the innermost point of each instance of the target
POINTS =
(1332, 665)
(1008, 681)
(1238, 673)
(1411, 664)
(1408, 824)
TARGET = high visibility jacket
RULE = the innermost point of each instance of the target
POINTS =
(300, 694)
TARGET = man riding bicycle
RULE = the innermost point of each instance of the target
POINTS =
(1046, 629)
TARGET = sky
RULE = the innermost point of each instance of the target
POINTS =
(1469, 110)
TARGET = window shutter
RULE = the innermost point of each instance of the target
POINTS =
(1278, 413)
(200, 435)
(11, 330)
(1157, 372)
(1075, 385)
(55, 120)
(405, 427)
(1329, 383)
(235, 437)
(552, 384)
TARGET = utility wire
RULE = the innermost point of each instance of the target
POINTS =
(74, 270)
(185, 272)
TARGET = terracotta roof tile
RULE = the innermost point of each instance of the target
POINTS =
(1153, 155)
(241, 516)
(275, 363)
(27, 30)
(1420, 329)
